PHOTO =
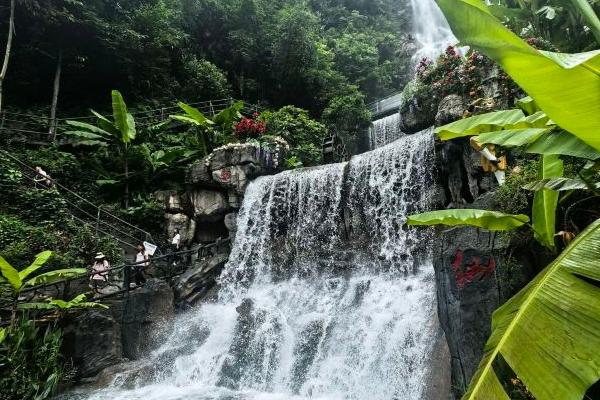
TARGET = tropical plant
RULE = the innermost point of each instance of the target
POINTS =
(547, 333)
(31, 365)
(61, 305)
(18, 280)
(490, 220)
(118, 133)
(223, 122)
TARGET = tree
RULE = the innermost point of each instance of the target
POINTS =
(118, 134)
(9, 40)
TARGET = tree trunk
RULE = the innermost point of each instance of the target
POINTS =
(11, 30)
(126, 200)
(55, 91)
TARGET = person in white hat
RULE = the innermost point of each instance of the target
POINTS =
(100, 268)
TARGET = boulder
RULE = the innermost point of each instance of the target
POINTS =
(208, 205)
(171, 200)
(199, 174)
(231, 222)
(450, 109)
(236, 177)
(92, 341)
(417, 113)
(186, 226)
(234, 154)
(196, 282)
(145, 317)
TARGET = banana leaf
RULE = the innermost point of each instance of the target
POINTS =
(558, 184)
(39, 261)
(490, 220)
(124, 121)
(545, 202)
(10, 274)
(548, 332)
(513, 137)
(563, 143)
(57, 275)
(489, 122)
(565, 86)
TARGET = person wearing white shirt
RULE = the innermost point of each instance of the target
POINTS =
(141, 262)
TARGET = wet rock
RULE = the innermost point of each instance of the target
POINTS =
(417, 114)
(171, 200)
(195, 283)
(450, 109)
(208, 205)
(231, 222)
(144, 317)
(92, 341)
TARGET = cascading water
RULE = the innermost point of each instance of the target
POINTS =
(431, 31)
(327, 295)
(385, 131)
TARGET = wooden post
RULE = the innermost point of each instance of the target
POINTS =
(55, 91)
(11, 31)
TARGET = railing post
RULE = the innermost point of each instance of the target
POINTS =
(97, 222)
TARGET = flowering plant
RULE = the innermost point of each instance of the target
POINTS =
(250, 127)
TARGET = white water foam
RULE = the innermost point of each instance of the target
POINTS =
(311, 307)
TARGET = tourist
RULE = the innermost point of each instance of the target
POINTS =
(141, 262)
(176, 241)
(42, 177)
(99, 277)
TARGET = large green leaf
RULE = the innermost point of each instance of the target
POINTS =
(563, 143)
(559, 184)
(548, 332)
(3, 334)
(489, 122)
(545, 202)
(57, 275)
(10, 274)
(490, 220)
(513, 137)
(565, 86)
(193, 115)
(228, 116)
(124, 121)
(39, 261)
(89, 128)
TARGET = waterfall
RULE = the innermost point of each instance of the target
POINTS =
(385, 131)
(430, 29)
(327, 294)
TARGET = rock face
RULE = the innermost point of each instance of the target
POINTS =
(96, 339)
(185, 225)
(208, 205)
(199, 279)
(92, 341)
(450, 109)
(474, 277)
(417, 114)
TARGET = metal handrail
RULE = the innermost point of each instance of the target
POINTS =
(147, 235)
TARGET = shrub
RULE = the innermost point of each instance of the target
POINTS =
(512, 198)
(31, 366)
(303, 134)
(203, 80)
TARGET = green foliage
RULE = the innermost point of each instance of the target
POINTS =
(511, 196)
(20, 279)
(31, 366)
(303, 134)
(347, 116)
(571, 74)
(550, 369)
(490, 220)
(203, 80)
(545, 202)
